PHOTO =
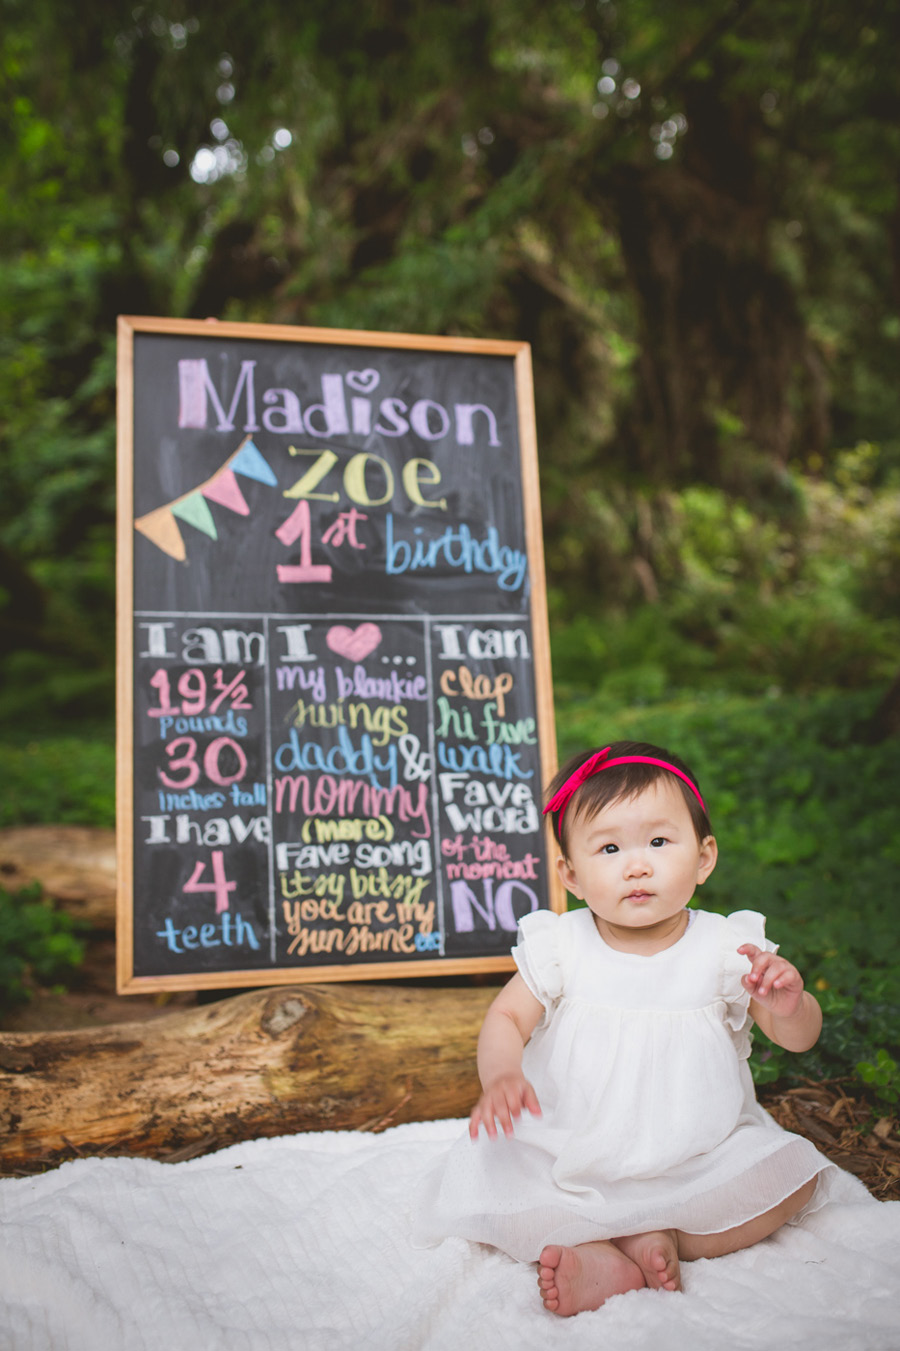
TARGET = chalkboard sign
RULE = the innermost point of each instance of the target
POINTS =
(335, 712)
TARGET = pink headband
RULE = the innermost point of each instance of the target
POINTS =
(595, 763)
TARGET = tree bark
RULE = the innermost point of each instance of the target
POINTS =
(267, 1063)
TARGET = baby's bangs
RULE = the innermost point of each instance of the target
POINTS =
(620, 782)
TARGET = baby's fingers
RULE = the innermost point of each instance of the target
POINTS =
(483, 1116)
(530, 1100)
(500, 1105)
(502, 1113)
(488, 1113)
(756, 980)
(768, 971)
(758, 959)
(475, 1121)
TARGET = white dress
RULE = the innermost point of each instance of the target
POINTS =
(649, 1115)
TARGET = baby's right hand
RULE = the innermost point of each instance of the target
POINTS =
(502, 1101)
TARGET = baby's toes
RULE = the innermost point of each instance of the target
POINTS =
(670, 1273)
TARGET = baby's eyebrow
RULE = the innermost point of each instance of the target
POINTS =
(599, 832)
(595, 837)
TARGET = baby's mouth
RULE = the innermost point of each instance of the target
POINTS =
(638, 897)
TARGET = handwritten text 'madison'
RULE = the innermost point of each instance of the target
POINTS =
(330, 416)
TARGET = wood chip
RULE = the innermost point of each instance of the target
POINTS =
(838, 1118)
(816, 1130)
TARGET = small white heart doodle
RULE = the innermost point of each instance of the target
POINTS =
(364, 381)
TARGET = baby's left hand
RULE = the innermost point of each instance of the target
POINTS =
(773, 982)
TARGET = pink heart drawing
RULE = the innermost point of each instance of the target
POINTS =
(364, 381)
(353, 643)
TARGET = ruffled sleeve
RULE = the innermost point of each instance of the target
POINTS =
(538, 955)
(743, 926)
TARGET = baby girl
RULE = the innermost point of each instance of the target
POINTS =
(623, 1135)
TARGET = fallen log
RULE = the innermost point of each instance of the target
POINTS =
(75, 866)
(272, 1062)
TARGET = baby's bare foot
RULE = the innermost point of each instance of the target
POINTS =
(572, 1280)
(656, 1254)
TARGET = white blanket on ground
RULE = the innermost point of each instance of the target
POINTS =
(301, 1244)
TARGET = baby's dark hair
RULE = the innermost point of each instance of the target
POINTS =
(622, 781)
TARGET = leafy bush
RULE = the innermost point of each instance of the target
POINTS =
(38, 945)
(701, 590)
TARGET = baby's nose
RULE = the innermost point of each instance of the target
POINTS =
(638, 864)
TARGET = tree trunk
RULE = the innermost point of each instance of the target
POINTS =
(261, 1064)
(728, 382)
(885, 721)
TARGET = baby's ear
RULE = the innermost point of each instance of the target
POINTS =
(709, 853)
(567, 876)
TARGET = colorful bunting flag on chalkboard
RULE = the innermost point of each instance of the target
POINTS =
(160, 525)
(224, 489)
(194, 510)
(161, 529)
(251, 464)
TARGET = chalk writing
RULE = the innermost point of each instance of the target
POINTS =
(456, 548)
(358, 472)
(200, 399)
(480, 686)
(336, 749)
(219, 885)
(231, 931)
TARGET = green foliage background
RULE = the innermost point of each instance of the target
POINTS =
(690, 211)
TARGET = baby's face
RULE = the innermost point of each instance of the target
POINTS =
(638, 861)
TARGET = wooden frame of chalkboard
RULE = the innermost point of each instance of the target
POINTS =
(334, 698)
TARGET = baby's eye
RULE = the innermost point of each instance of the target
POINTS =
(610, 849)
(657, 842)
